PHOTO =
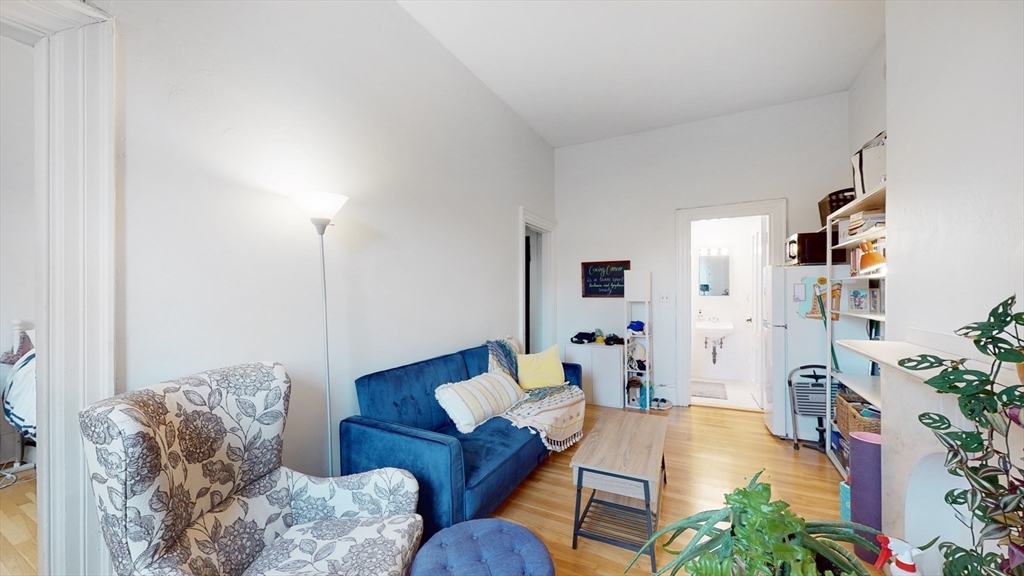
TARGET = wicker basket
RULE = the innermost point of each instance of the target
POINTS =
(848, 418)
(834, 201)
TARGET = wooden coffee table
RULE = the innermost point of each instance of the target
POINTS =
(623, 460)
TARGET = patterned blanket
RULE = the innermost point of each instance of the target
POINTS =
(555, 413)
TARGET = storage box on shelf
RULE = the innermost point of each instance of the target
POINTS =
(864, 221)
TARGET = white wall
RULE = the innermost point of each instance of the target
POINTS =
(955, 197)
(226, 108)
(867, 100)
(956, 161)
(734, 356)
(616, 198)
(17, 212)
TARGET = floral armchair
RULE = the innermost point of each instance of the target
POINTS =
(188, 479)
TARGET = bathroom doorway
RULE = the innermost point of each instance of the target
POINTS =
(722, 253)
(726, 274)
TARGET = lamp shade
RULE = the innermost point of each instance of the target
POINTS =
(319, 205)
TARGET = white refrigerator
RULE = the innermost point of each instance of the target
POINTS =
(794, 335)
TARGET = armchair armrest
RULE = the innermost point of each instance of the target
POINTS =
(383, 492)
(434, 459)
(573, 373)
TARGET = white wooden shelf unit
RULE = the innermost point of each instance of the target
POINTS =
(867, 386)
(637, 296)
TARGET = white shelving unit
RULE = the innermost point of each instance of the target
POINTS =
(867, 386)
(637, 296)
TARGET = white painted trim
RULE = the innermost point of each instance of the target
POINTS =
(777, 227)
(29, 21)
(549, 238)
(76, 193)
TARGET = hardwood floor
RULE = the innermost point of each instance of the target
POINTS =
(18, 527)
(708, 452)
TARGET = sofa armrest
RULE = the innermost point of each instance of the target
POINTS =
(383, 493)
(434, 459)
(573, 373)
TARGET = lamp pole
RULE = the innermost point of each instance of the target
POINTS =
(321, 226)
(320, 207)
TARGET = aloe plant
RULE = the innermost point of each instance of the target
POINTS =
(981, 453)
(755, 535)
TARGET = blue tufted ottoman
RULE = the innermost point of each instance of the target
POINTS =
(485, 547)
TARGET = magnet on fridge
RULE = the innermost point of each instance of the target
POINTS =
(799, 292)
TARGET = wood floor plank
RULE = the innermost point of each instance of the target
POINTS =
(708, 452)
(18, 528)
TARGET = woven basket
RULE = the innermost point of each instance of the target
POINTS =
(848, 418)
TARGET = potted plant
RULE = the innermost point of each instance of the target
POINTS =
(983, 453)
(755, 535)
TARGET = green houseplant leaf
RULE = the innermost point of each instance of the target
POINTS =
(922, 362)
(960, 382)
(993, 506)
(935, 421)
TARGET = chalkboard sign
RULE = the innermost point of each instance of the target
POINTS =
(604, 279)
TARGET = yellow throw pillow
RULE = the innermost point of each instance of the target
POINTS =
(540, 370)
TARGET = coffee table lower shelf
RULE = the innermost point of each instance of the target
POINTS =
(619, 520)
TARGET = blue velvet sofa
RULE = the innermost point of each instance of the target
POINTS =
(461, 476)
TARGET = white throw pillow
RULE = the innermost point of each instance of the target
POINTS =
(472, 402)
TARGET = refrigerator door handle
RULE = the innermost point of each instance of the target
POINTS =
(780, 326)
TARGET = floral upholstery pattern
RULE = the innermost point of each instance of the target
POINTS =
(188, 479)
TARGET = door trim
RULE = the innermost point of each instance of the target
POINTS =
(76, 214)
(777, 228)
(547, 228)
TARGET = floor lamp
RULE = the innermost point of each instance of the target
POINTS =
(321, 207)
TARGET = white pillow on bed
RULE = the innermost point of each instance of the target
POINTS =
(472, 402)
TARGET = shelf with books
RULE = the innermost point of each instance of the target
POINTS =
(872, 234)
(865, 217)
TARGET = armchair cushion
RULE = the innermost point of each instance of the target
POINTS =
(357, 546)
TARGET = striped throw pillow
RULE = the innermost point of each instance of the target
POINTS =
(472, 402)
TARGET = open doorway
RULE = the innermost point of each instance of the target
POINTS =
(716, 310)
(75, 169)
(533, 287)
(726, 349)
(18, 246)
(536, 282)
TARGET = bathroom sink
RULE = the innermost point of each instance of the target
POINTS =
(714, 330)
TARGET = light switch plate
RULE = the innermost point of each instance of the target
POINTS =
(665, 298)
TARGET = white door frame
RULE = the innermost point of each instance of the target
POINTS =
(76, 208)
(547, 228)
(777, 226)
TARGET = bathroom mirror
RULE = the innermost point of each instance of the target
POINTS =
(714, 275)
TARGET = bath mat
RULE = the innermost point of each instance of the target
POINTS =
(714, 390)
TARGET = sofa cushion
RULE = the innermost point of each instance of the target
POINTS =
(405, 395)
(497, 457)
(474, 401)
(477, 359)
(541, 370)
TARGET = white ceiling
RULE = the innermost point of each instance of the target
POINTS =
(584, 71)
